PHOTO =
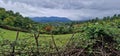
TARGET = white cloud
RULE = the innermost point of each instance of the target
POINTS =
(73, 9)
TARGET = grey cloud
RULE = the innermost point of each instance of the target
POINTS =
(73, 4)
(53, 4)
(73, 9)
(105, 5)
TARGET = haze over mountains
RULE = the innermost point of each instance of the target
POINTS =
(50, 19)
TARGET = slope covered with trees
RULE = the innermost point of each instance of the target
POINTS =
(15, 21)
(9, 18)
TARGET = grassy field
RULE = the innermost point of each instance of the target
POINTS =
(43, 39)
(7, 34)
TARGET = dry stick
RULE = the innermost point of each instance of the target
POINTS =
(49, 50)
(13, 47)
(17, 35)
(102, 48)
(69, 42)
(118, 53)
(102, 51)
(55, 44)
(82, 50)
(36, 36)
(94, 54)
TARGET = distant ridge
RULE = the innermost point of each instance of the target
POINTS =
(50, 19)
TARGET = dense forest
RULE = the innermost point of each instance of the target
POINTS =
(14, 19)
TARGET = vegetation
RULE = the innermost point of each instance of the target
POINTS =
(14, 19)
(96, 37)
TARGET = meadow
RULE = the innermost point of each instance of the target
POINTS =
(11, 35)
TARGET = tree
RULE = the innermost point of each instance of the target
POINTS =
(9, 21)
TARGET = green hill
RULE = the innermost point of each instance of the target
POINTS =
(9, 18)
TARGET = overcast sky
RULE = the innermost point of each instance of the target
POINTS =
(72, 9)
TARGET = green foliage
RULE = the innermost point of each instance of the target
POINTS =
(90, 36)
(14, 19)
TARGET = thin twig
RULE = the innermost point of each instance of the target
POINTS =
(55, 45)
(14, 44)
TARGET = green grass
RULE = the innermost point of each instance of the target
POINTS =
(8, 34)
(59, 39)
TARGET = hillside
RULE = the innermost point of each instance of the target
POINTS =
(12, 19)
(50, 19)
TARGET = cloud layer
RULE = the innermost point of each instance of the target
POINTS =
(73, 9)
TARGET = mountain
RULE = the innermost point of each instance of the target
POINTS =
(50, 19)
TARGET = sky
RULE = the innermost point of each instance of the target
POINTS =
(72, 9)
